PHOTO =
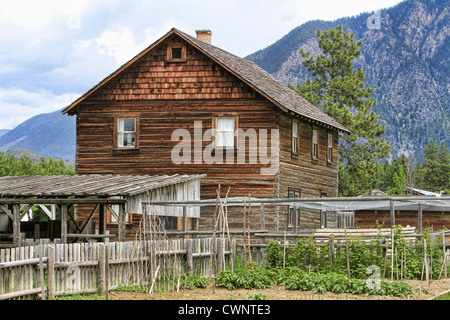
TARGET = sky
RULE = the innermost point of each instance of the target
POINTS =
(53, 51)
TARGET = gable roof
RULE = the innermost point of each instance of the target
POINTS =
(247, 71)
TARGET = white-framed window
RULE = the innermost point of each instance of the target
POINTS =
(292, 210)
(126, 133)
(315, 141)
(225, 127)
(330, 147)
(294, 137)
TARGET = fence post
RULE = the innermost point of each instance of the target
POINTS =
(51, 272)
(107, 272)
(189, 257)
(101, 267)
(41, 271)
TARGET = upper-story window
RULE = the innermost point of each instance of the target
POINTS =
(126, 133)
(330, 148)
(294, 137)
(225, 127)
(315, 147)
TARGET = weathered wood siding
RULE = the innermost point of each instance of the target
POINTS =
(300, 172)
(165, 96)
(430, 219)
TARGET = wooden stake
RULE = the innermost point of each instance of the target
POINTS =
(392, 255)
(244, 251)
(248, 231)
(426, 261)
(346, 249)
(154, 279)
(444, 255)
(385, 258)
(213, 260)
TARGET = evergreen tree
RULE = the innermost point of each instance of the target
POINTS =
(399, 182)
(339, 90)
(431, 166)
(444, 167)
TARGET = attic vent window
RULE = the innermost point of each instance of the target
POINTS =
(176, 53)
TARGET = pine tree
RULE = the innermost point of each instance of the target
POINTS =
(444, 167)
(339, 90)
(431, 166)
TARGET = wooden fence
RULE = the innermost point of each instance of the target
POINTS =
(83, 267)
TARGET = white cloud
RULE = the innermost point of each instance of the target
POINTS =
(18, 105)
(52, 51)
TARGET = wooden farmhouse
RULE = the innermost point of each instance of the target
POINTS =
(184, 106)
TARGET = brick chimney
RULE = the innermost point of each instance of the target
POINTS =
(204, 35)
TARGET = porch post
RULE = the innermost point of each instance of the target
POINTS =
(64, 223)
(16, 225)
(122, 223)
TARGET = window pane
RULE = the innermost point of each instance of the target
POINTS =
(330, 141)
(294, 129)
(127, 124)
(127, 139)
(315, 136)
(225, 124)
(225, 139)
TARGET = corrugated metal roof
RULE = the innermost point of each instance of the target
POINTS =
(86, 185)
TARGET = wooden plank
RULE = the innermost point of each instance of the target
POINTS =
(64, 223)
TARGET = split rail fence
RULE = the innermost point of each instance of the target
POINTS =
(49, 270)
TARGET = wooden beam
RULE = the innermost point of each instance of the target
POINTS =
(102, 219)
(122, 221)
(392, 212)
(16, 225)
(7, 211)
(184, 218)
(419, 223)
(37, 201)
(64, 223)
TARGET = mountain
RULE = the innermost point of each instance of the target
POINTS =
(3, 131)
(406, 59)
(48, 135)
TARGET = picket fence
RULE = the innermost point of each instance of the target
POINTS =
(49, 270)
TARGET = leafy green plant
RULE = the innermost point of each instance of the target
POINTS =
(193, 282)
(258, 278)
(258, 296)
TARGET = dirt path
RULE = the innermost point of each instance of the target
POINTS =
(280, 293)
